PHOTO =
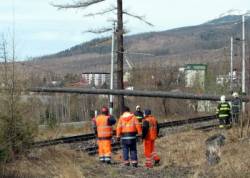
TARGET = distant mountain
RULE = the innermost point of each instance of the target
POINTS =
(226, 19)
(93, 46)
(203, 43)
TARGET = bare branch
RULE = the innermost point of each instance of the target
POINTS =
(98, 31)
(101, 12)
(79, 4)
(141, 18)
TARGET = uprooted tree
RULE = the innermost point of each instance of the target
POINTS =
(119, 33)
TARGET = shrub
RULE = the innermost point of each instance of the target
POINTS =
(16, 135)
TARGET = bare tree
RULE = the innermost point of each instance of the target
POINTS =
(16, 132)
(3, 48)
(119, 33)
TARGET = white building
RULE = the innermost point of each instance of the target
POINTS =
(96, 79)
(195, 74)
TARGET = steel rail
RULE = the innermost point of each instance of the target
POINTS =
(117, 145)
(87, 137)
(64, 140)
(187, 121)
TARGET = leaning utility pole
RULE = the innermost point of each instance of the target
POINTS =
(134, 93)
(120, 51)
(243, 62)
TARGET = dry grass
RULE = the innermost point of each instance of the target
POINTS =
(58, 132)
(48, 163)
(188, 150)
(182, 154)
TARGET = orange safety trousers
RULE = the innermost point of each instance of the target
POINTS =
(104, 149)
(150, 153)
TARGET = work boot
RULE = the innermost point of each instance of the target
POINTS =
(107, 159)
(134, 164)
(102, 160)
(157, 162)
(126, 164)
(108, 162)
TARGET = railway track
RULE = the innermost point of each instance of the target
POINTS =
(88, 137)
(187, 121)
(92, 150)
(63, 140)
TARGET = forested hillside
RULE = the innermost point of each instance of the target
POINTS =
(208, 42)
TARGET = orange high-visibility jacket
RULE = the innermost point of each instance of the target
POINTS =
(152, 129)
(104, 130)
(128, 126)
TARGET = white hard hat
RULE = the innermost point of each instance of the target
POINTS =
(138, 107)
(235, 94)
(223, 98)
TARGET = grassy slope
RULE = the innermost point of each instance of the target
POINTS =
(183, 155)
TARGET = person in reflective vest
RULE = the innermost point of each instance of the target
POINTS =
(236, 107)
(150, 130)
(138, 113)
(103, 128)
(223, 112)
(127, 128)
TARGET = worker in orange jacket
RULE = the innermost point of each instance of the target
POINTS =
(150, 130)
(104, 131)
(127, 128)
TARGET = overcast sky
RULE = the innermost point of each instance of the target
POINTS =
(42, 29)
